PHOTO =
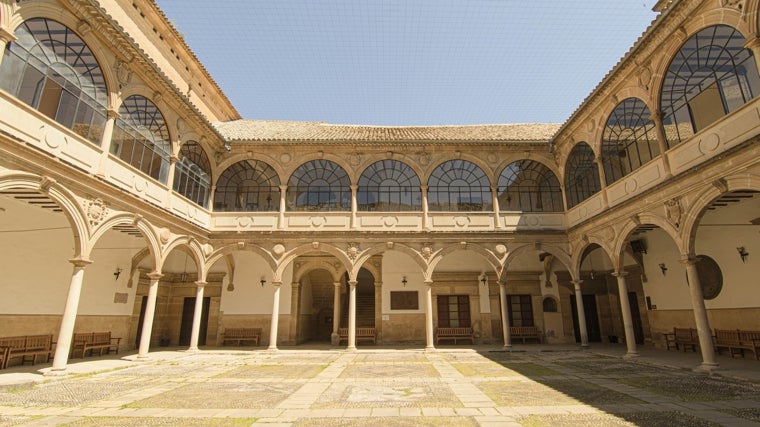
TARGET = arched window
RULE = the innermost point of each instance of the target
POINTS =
(50, 68)
(549, 305)
(250, 185)
(192, 174)
(389, 185)
(529, 186)
(459, 185)
(141, 137)
(710, 76)
(319, 185)
(581, 175)
(629, 139)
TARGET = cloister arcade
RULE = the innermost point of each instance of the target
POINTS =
(132, 205)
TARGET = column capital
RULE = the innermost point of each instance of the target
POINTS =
(283, 188)
(752, 43)
(428, 282)
(200, 283)
(173, 159)
(655, 115)
(155, 275)
(353, 283)
(112, 113)
(277, 284)
(337, 284)
(80, 262)
(378, 284)
(577, 283)
(6, 35)
(621, 273)
(689, 260)
(353, 187)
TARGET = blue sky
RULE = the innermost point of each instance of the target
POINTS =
(409, 62)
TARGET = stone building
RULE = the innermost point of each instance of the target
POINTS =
(135, 199)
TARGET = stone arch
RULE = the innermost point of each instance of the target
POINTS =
(145, 228)
(282, 173)
(310, 248)
(488, 170)
(618, 247)
(220, 253)
(492, 260)
(311, 265)
(741, 181)
(578, 255)
(407, 160)
(64, 198)
(381, 248)
(193, 248)
(558, 253)
(341, 161)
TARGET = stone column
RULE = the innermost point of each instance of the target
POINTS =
(295, 310)
(170, 179)
(504, 315)
(351, 315)
(379, 312)
(105, 141)
(275, 317)
(753, 44)
(6, 36)
(354, 205)
(581, 313)
(211, 195)
(335, 338)
(602, 181)
(496, 208)
(625, 309)
(281, 219)
(424, 190)
(150, 311)
(195, 333)
(700, 315)
(66, 331)
(662, 141)
(429, 315)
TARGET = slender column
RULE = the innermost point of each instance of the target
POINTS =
(195, 333)
(753, 44)
(336, 313)
(275, 317)
(581, 313)
(211, 196)
(351, 315)
(5, 37)
(105, 141)
(379, 312)
(170, 178)
(700, 315)
(625, 309)
(424, 189)
(429, 315)
(354, 205)
(662, 141)
(504, 315)
(283, 192)
(150, 311)
(602, 181)
(295, 310)
(496, 208)
(66, 331)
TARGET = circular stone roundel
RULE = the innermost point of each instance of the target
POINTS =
(710, 277)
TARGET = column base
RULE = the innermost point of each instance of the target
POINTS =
(143, 358)
(631, 355)
(53, 372)
(430, 349)
(351, 349)
(585, 346)
(193, 350)
(272, 349)
(706, 367)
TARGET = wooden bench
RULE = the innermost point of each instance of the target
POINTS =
(241, 335)
(525, 332)
(92, 341)
(454, 334)
(736, 341)
(682, 338)
(27, 347)
(362, 334)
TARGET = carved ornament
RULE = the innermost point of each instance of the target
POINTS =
(96, 210)
(674, 211)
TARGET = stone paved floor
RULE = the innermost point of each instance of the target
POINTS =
(381, 387)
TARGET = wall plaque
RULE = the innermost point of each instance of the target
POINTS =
(405, 300)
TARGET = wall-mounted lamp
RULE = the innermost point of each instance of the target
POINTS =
(117, 273)
(484, 279)
(263, 281)
(663, 268)
(593, 275)
(403, 281)
(742, 253)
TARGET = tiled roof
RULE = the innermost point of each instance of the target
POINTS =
(280, 131)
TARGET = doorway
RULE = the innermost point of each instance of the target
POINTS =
(592, 318)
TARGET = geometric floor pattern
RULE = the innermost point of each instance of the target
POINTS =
(446, 387)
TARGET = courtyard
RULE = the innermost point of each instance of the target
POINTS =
(451, 386)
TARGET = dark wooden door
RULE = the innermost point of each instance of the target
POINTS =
(638, 327)
(186, 328)
(592, 319)
(140, 320)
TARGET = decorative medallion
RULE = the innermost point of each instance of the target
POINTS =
(96, 210)
(500, 249)
(354, 159)
(278, 249)
(673, 211)
(164, 235)
(353, 251)
(426, 252)
(710, 277)
(285, 158)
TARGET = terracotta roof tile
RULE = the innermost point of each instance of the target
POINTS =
(280, 131)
